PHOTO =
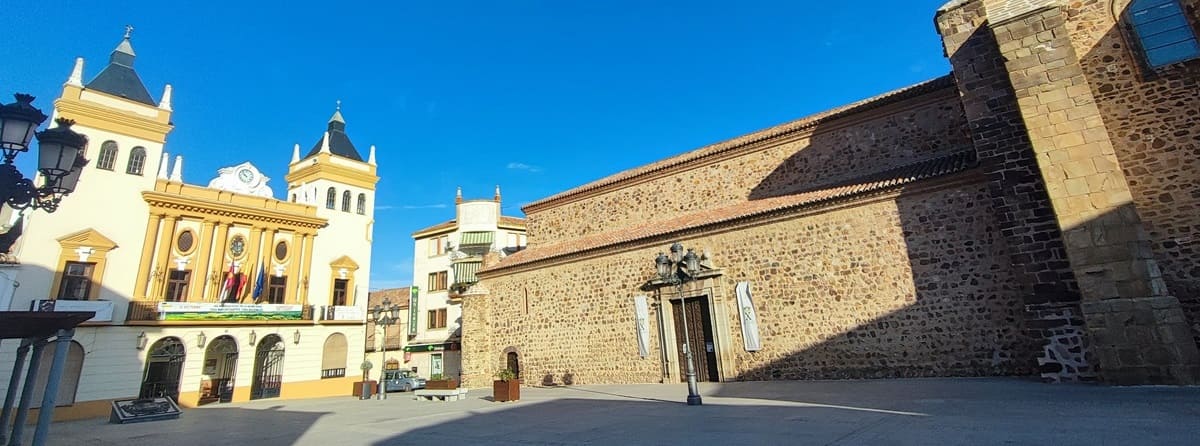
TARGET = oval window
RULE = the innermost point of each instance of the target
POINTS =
(281, 251)
(185, 241)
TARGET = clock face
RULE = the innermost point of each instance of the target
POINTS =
(245, 175)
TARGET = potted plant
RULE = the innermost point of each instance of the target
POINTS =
(438, 382)
(506, 387)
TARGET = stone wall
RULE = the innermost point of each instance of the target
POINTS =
(918, 128)
(910, 285)
(1152, 121)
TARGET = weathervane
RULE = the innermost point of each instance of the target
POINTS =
(128, 31)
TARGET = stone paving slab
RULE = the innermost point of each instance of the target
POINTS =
(902, 412)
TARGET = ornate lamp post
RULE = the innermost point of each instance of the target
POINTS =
(383, 316)
(60, 160)
(677, 270)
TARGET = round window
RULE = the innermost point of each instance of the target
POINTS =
(185, 241)
(281, 251)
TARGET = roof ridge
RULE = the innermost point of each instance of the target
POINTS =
(786, 128)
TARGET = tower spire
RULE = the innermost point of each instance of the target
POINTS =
(497, 197)
(371, 156)
(76, 78)
(458, 196)
(162, 166)
(296, 153)
(325, 143)
(165, 103)
(177, 169)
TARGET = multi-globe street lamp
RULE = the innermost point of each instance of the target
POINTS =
(677, 270)
(384, 316)
(60, 160)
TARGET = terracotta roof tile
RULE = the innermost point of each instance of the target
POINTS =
(395, 295)
(761, 135)
(880, 181)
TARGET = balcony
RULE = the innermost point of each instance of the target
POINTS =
(103, 308)
(339, 313)
(151, 312)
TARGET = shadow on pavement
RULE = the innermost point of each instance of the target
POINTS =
(217, 425)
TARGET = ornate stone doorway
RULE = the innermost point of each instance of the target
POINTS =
(703, 343)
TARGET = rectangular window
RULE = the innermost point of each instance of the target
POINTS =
(1163, 31)
(177, 286)
(76, 281)
(437, 281)
(437, 245)
(276, 288)
(437, 318)
(340, 287)
(333, 373)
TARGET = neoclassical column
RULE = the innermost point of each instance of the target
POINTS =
(293, 268)
(140, 290)
(221, 239)
(162, 261)
(306, 268)
(200, 273)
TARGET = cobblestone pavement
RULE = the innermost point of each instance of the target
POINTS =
(908, 411)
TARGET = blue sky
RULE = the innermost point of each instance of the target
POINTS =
(536, 96)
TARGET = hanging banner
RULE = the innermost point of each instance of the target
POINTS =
(642, 317)
(748, 317)
(412, 310)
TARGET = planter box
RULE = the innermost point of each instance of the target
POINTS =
(506, 390)
(358, 388)
(442, 384)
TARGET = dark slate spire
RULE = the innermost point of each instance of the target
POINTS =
(118, 78)
(339, 143)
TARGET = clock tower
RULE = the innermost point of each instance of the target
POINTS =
(335, 178)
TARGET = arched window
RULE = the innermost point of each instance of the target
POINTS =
(293, 198)
(72, 370)
(362, 204)
(137, 160)
(108, 155)
(331, 199)
(333, 359)
(1162, 31)
(346, 201)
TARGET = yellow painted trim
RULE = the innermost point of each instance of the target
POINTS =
(162, 259)
(328, 171)
(290, 295)
(343, 262)
(218, 260)
(143, 274)
(102, 117)
(91, 238)
(319, 388)
(203, 259)
(306, 267)
(81, 410)
(434, 232)
(208, 323)
(177, 199)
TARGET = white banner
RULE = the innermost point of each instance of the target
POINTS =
(748, 317)
(642, 317)
(212, 307)
(344, 313)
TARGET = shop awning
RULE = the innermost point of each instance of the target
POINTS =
(464, 272)
(475, 238)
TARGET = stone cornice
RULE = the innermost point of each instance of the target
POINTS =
(969, 176)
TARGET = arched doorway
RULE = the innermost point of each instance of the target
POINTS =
(268, 368)
(164, 364)
(72, 371)
(512, 362)
(220, 365)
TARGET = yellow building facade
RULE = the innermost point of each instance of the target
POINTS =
(203, 293)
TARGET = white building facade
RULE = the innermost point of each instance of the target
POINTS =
(445, 259)
(203, 294)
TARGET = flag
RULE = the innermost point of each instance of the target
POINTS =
(241, 287)
(228, 283)
(258, 282)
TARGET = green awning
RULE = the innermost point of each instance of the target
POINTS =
(464, 272)
(476, 238)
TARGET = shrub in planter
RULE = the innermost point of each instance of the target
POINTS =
(438, 382)
(506, 387)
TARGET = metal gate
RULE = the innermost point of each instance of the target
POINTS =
(268, 369)
(225, 384)
(164, 364)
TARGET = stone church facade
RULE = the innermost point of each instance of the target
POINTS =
(1034, 212)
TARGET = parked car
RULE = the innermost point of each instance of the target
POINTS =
(402, 380)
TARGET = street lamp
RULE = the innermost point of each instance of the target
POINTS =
(384, 315)
(677, 270)
(60, 160)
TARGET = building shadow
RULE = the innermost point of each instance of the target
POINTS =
(226, 425)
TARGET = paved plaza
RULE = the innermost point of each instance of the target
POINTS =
(906, 412)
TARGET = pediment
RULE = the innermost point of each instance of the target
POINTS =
(87, 237)
(344, 262)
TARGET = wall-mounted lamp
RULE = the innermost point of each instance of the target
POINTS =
(253, 337)
(141, 341)
(296, 337)
(201, 339)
